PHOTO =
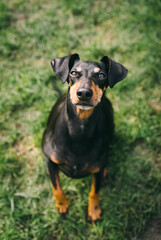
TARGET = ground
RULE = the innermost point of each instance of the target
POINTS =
(34, 32)
(153, 231)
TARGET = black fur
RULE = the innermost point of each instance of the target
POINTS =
(81, 144)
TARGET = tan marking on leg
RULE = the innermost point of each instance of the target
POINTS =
(70, 85)
(94, 211)
(62, 203)
(53, 159)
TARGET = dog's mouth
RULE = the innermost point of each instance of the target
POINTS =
(84, 106)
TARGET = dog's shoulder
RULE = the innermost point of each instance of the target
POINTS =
(107, 106)
(108, 116)
(56, 109)
(55, 114)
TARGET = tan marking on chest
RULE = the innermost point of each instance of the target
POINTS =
(84, 114)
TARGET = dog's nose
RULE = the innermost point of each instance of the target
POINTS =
(84, 94)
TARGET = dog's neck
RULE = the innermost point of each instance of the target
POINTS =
(82, 127)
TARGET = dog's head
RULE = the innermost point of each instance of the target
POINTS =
(88, 80)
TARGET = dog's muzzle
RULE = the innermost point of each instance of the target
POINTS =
(84, 95)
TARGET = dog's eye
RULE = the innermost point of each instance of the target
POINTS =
(74, 73)
(101, 75)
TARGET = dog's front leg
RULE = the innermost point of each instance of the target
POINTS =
(62, 203)
(94, 210)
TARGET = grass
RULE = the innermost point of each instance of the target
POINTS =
(31, 34)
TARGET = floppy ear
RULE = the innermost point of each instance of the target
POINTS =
(62, 66)
(116, 71)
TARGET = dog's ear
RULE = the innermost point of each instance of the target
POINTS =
(116, 71)
(62, 66)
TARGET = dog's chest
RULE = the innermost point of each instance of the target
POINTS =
(80, 158)
(82, 130)
(77, 170)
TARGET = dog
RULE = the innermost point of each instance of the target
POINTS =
(80, 126)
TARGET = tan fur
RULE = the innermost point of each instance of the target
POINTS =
(73, 92)
(94, 170)
(60, 198)
(94, 211)
(79, 69)
(97, 94)
(53, 159)
(96, 69)
(96, 98)
(104, 89)
(84, 114)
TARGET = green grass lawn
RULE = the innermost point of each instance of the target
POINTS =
(31, 34)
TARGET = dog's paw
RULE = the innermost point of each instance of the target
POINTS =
(94, 212)
(62, 205)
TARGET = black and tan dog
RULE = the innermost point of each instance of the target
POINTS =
(80, 126)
